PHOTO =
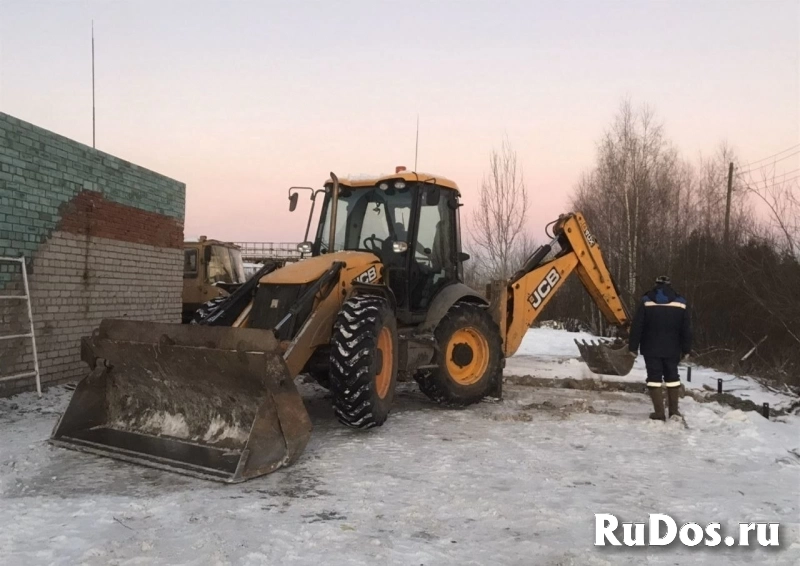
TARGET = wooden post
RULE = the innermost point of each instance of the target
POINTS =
(728, 204)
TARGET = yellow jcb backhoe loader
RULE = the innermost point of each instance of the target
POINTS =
(380, 295)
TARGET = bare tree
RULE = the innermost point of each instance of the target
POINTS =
(636, 180)
(655, 213)
(498, 225)
(782, 199)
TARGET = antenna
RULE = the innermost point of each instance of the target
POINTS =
(93, 121)
(416, 147)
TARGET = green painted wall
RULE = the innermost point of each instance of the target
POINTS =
(40, 171)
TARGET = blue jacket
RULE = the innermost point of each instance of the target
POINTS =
(662, 325)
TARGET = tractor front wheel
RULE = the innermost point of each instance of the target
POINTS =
(363, 362)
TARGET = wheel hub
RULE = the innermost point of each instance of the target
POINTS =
(462, 354)
(467, 356)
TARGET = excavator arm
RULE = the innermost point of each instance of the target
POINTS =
(517, 303)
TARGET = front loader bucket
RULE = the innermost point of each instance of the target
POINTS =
(606, 357)
(212, 402)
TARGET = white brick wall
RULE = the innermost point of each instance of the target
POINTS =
(75, 283)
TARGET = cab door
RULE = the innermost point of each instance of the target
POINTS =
(433, 262)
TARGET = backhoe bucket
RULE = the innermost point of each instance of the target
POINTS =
(211, 402)
(607, 357)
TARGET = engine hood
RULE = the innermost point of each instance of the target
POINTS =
(311, 269)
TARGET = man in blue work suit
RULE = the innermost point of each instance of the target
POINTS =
(662, 330)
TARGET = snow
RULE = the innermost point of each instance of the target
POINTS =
(511, 482)
(162, 423)
(552, 353)
(220, 429)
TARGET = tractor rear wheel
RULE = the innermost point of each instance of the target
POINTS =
(469, 356)
(363, 363)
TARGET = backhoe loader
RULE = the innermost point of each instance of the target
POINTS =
(211, 270)
(379, 295)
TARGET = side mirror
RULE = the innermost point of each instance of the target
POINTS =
(432, 196)
(462, 257)
(293, 201)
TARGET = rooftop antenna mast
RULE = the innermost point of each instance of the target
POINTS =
(416, 146)
(93, 121)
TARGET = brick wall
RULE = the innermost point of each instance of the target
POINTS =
(103, 239)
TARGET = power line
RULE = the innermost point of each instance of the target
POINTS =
(781, 182)
(771, 156)
(768, 164)
(775, 177)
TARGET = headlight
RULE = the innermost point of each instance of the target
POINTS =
(384, 186)
(304, 247)
(400, 185)
(399, 247)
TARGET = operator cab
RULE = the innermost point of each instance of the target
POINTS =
(410, 222)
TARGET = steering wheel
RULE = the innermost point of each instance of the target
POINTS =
(373, 243)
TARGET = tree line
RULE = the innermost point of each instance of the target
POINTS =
(656, 213)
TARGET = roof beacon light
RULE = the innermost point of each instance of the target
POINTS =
(399, 168)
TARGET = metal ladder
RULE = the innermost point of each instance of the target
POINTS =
(27, 298)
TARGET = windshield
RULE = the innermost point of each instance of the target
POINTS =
(238, 265)
(368, 219)
(225, 265)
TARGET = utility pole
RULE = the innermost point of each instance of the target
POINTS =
(93, 126)
(728, 205)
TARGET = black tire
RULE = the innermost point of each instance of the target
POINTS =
(206, 309)
(361, 384)
(464, 325)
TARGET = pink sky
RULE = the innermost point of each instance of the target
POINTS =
(242, 100)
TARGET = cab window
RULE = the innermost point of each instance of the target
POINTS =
(189, 264)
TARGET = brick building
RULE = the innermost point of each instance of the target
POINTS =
(103, 239)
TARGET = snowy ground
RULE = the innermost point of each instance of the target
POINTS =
(516, 482)
(552, 353)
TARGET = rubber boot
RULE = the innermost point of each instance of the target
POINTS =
(657, 395)
(673, 393)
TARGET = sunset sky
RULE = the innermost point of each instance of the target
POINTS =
(241, 100)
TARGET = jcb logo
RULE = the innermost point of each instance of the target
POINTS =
(368, 276)
(543, 289)
(589, 237)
